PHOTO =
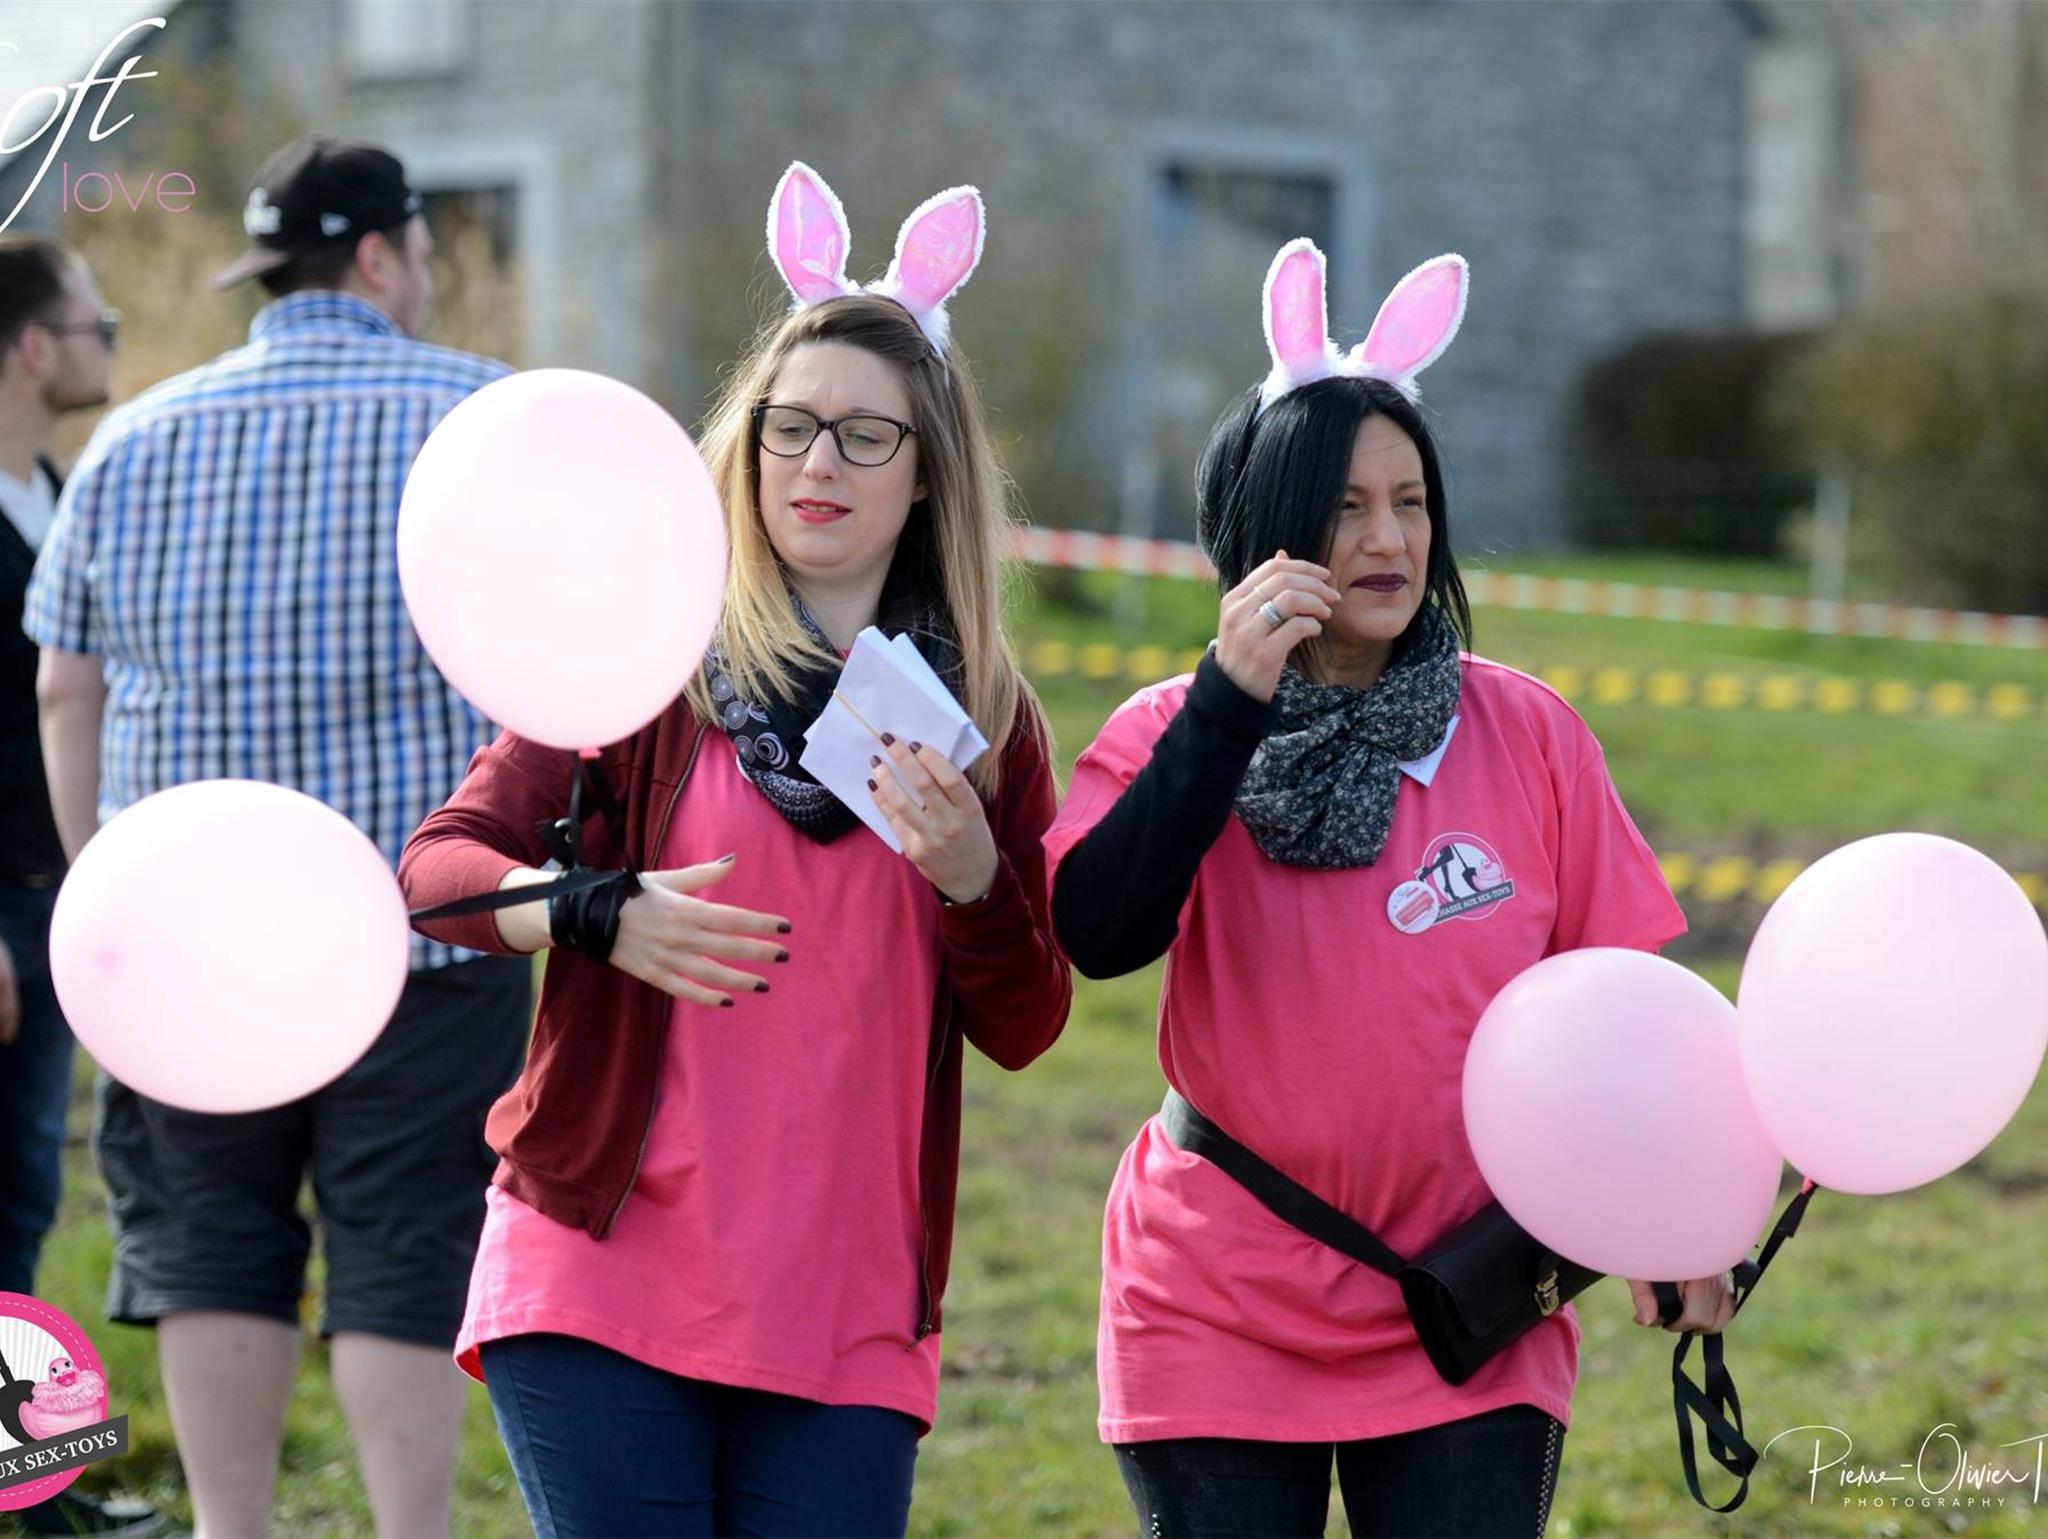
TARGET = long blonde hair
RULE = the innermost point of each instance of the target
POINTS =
(963, 519)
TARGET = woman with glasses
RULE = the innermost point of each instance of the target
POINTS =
(707, 1294)
(1345, 833)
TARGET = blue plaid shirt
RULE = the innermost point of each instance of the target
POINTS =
(228, 546)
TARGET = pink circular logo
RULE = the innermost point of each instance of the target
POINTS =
(51, 1384)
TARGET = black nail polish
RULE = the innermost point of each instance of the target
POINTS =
(760, 985)
(725, 1003)
(782, 956)
(874, 761)
(872, 786)
(726, 860)
(783, 928)
(917, 748)
(888, 740)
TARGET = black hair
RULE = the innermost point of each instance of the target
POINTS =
(32, 270)
(1274, 480)
(324, 267)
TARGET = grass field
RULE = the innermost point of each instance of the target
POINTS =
(1699, 779)
(1886, 1316)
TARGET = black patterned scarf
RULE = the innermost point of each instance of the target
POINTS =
(1320, 789)
(768, 735)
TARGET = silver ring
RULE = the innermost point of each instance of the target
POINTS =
(1273, 616)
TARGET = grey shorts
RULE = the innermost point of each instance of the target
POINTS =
(207, 1210)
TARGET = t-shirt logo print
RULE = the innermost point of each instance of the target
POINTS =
(1467, 876)
(1461, 877)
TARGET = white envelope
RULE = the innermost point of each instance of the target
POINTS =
(886, 686)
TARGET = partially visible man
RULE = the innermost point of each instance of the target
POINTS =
(56, 353)
(219, 597)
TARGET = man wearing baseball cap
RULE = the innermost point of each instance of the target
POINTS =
(218, 597)
(308, 211)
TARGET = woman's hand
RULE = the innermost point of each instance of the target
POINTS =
(947, 837)
(1251, 648)
(1709, 1304)
(668, 938)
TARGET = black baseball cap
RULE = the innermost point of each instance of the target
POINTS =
(318, 192)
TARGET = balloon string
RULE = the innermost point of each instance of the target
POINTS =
(1749, 1273)
(563, 839)
(1718, 1406)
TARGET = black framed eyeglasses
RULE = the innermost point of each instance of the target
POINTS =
(867, 440)
(107, 323)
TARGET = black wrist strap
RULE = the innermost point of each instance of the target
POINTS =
(588, 920)
(563, 838)
(1715, 1403)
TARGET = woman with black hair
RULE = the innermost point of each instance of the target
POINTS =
(1346, 834)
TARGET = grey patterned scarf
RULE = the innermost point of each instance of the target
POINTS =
(768, 735)
(1320, 789)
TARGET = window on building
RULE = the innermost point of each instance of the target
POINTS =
(402, 38)
(476, 269)
(1795, 158)
(1217, 227)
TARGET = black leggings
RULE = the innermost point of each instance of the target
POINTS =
(1485, 1477)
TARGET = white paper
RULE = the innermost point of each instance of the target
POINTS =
(886, 686)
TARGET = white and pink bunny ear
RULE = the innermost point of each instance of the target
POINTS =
(808, 236)
(1415, 324)
(1297, 321)
(937, 251)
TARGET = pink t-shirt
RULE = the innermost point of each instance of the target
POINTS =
(1330, 1039)
(772, 1239)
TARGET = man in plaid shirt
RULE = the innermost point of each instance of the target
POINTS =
(218, 596)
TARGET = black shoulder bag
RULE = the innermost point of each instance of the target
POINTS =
(1487, 1282)
(1471, 1294)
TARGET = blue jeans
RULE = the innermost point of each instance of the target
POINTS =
(35, 1088)
(604, 1445)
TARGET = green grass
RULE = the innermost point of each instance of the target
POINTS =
(320, 1492)
(1698, 779)
(1885, 1316)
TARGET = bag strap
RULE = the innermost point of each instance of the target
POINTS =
(1287, 1199)
(1716, 1404)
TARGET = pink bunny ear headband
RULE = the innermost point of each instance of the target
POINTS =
(937, 249)
(1409, 334)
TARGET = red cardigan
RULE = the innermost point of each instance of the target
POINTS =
(570, 1133)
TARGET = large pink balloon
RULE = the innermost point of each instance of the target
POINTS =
(563, 555)
(1605, 1106)
(1894, 1010)
(227, 945)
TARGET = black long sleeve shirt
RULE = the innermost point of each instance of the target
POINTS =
(1117, 899)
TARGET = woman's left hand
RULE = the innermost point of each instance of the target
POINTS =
(947, 838)
(1709, 1304)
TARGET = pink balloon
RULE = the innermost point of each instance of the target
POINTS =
(227, 945)
(1894, 1011)
(563, 555)
(1605, 1105)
